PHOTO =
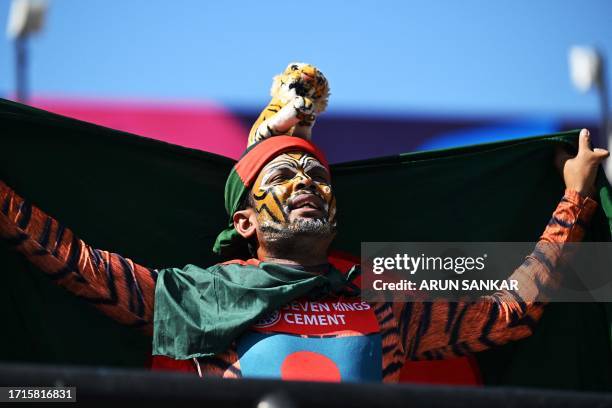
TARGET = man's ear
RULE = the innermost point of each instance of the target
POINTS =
(245, 222)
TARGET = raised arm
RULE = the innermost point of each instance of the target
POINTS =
(446, 329)
(117, 286)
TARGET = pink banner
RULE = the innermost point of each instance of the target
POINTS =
(201, 125)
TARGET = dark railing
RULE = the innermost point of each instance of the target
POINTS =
(109, 385)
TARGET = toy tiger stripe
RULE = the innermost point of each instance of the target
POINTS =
(124, 290)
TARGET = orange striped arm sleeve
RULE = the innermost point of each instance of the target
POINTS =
(118, 287)
(439, 330)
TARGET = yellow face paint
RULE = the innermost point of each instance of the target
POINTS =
(294, 185)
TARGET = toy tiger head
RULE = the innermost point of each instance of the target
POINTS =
(300, 79)
(299, 94)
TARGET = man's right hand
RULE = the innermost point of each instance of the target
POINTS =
(579, 172)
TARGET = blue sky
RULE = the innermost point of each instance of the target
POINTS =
(469, 57)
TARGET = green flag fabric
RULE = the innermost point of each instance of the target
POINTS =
(199, 312)
(163, 206)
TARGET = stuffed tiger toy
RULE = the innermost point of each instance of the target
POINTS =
(299, 94)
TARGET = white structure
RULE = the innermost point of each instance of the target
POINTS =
(26, 17)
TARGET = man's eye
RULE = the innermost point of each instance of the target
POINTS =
(319, 177)
(278, 178)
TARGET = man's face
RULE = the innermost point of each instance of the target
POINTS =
(293, 191)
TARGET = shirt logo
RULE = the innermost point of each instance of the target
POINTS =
(269, 320)
(305, 317)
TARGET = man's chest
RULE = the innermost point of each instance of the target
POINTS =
(331, 340)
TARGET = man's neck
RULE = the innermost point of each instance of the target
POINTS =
(303, 252)
(302, 256)
(301, 261)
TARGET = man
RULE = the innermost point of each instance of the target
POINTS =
(287, 312)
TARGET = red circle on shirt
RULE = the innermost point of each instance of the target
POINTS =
(309, 366)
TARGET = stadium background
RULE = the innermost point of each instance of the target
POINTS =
(417, 75)
(404, 76)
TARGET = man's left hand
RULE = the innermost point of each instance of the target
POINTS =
(579, 172)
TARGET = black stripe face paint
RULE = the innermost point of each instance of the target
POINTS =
(294, 185)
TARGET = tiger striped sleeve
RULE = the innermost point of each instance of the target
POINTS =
(443, 329)
(118, 287)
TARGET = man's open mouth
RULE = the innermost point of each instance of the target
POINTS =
(306, 201)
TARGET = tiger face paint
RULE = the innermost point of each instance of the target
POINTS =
(294, 189)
